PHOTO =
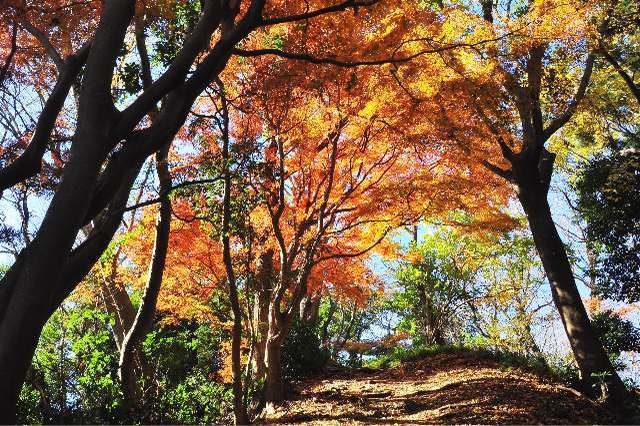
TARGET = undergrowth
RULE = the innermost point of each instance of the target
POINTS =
(558, 370)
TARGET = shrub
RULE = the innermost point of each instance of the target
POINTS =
(302, 353)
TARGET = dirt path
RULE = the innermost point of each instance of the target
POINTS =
(448, 388)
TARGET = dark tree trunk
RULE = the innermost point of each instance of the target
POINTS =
(33, 280)
(533, 185)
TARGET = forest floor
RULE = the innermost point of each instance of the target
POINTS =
(446, 388)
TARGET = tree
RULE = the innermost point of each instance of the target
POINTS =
(517, 90)
(437, 286)
(108, 145)
(608, 189)
(510, 297)
(333, 182)
(456, 286)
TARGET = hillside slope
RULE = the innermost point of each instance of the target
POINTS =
(445, 388)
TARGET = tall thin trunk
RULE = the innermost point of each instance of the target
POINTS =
(239, 408)
(261, 320)
(264, 284)
(146, 311)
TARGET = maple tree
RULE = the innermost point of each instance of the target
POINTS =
(290, 140)
(88, 186)
(334, 183)
(516, 90)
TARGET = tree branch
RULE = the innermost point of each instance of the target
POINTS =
(4, 71)
(635, 89)
(354, 4)
(29, 163)
(561, 120)
(503, 173)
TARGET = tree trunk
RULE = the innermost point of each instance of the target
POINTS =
(587, 349)
(274, 388)
(278, 328)
(31, 283)
(239, 409)
(324, 329)
(261, 321)
(146, 311)
(310, 309)
(264, 283)
(33, 280)
(118, 304)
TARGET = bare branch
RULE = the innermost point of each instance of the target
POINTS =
(348, 4)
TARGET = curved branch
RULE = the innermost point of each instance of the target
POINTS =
(503, 173)
(340, 7)
(635, 89)
(46, 43)
(350, 64)
(29, 163)
(561, 120)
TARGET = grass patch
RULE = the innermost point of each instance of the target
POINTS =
(398, 355)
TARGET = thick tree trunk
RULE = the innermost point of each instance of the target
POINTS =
(274, 387)
(587, 349)
(33, 280)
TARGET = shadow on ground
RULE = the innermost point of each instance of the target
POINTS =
(446, 388)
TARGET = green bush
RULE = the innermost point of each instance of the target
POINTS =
(399, 354)
(302, 353)
(186, 362)
(616, 334)
(73, 378)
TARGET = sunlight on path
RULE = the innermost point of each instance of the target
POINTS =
(460, 388)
